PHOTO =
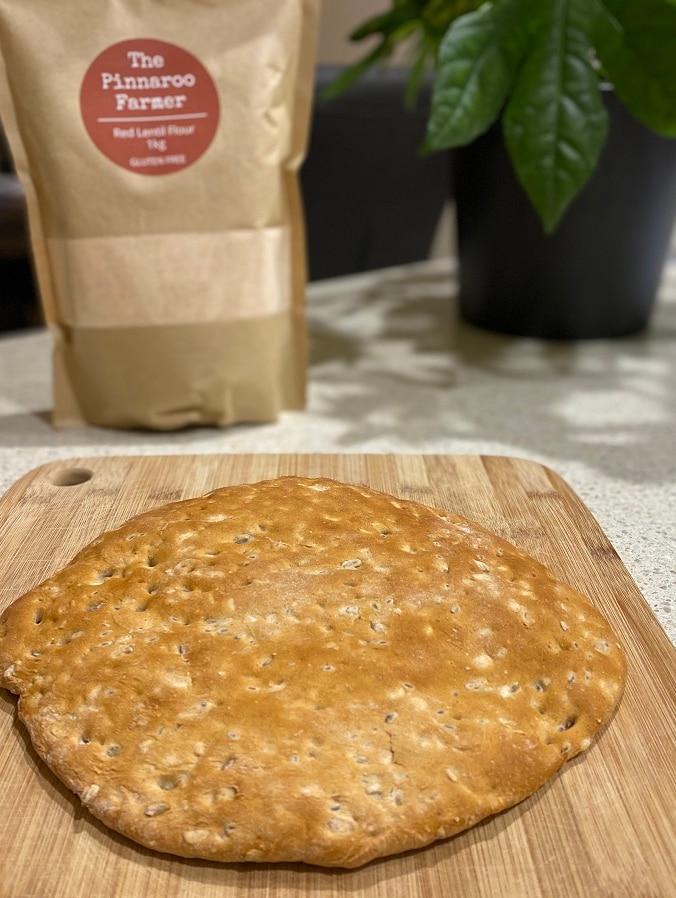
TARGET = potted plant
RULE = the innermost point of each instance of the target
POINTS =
(545, 98)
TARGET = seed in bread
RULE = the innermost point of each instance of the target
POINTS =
(305, 670)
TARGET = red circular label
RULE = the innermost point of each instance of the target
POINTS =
(149, 106)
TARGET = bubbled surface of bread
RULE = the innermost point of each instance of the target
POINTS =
(305, 670)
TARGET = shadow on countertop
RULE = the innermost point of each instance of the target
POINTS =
(436, 381)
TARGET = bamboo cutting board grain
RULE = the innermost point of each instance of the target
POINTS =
(604, 827)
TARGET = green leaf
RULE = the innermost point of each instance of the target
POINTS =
(555, 123)
(385, 23)
(354, 72)
(477, 61)
(394, 27)
(437, 15)
(422, 57)
(636, 42)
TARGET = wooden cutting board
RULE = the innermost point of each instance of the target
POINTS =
(604, 827)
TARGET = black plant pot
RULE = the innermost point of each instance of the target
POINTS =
(598, 274)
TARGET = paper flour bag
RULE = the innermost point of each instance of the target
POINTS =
(158, 143)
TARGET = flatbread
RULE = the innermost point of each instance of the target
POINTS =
(305, 670)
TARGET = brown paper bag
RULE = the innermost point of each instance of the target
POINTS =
(158, 144)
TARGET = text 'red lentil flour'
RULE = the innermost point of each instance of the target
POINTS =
(158, 149)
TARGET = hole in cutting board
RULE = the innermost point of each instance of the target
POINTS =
(72, 476)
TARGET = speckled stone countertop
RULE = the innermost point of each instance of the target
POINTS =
(392, 372)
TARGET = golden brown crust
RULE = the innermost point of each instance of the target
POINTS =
(304, 670)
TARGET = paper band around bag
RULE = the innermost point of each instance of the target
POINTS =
(176, 278)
